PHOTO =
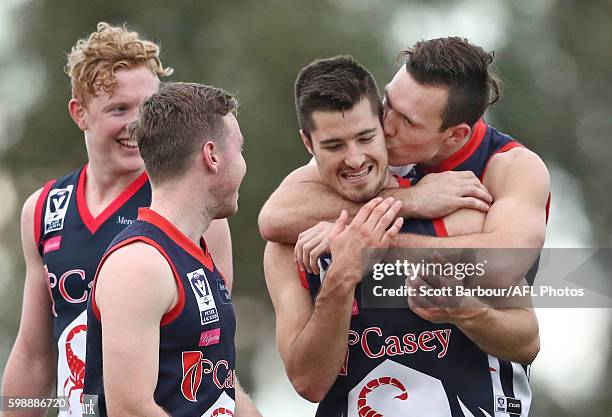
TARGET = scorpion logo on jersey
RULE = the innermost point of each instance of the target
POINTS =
(222, 412)
(364, 409)
(75, 364)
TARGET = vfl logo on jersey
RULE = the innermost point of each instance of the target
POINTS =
(508, 405)
(203, 294)
(57, 206)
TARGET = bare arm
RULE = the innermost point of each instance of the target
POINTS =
(304, 336)
(312, 340)
(291, 209)
(244, 404)
(142, 292)
(219, 241)
(34, 353)
(519, 183)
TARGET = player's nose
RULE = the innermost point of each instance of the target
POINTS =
(389, 123)
(354, 157)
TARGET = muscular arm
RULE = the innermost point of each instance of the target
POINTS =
(291, 209)
(516, 219)
(519, 183)
(132, 298)
(219, 241)
(308, 335)
(34, 353)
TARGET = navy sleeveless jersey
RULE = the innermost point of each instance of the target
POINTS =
(196, 348)
(71, 243)
(400, 364)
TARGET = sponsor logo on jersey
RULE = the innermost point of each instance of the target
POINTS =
(374, 344)
(204, 296)
(57, 207)
(223, 293)
(210, 337)
(52, 244)
(508, 405)
(195, 366)
(124, 221)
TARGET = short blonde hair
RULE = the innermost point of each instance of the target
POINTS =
(93, 61)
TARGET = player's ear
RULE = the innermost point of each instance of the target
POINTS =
(307, 142)
(78, 113)
(457, 133)
(210, 156)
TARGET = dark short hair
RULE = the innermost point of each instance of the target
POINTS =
(331, 85)
(455, 63)
(175, 121)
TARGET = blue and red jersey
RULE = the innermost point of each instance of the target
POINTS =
(71, 242)
(196, 346)
(400, 364)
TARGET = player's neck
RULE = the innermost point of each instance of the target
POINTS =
(102, 187)
(182, 207)
(446, 151)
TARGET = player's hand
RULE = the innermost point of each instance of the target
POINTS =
(374, 226)
(311, 244)
(432, 304)
(437, 195)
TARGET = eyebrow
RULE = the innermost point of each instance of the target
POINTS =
(360, 133)
(388, 101)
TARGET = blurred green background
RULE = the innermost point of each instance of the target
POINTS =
(556, 60)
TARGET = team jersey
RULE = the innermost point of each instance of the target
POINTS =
(71, 242)
(196, 345)
(400, 364)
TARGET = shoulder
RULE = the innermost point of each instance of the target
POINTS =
(517, 167)
(133, 273)
(305, 173)
(137, 257)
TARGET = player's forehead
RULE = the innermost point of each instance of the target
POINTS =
(345, 125)
(131, 85)
(417, 101)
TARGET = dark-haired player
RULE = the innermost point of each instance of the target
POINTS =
(480, 330)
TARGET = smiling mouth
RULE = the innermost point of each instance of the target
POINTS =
(356, 176)
(128, 143)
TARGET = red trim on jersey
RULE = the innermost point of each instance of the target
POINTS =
(440, 227)
(175, 311)
(198, 252)
(403, 182)
(548, 207)
(303, 279)
(94, 223)
(510, 145)
(38, 215)
(467, 150)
